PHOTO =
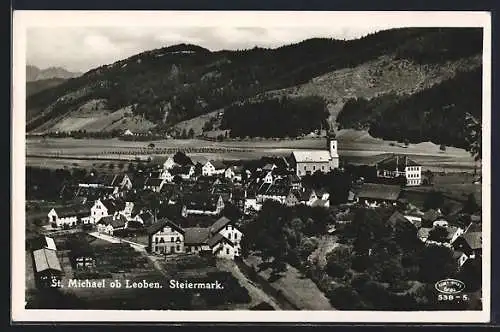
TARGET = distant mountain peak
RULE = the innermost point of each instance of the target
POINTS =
(33, 73)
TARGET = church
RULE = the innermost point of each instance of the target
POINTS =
(309, 161)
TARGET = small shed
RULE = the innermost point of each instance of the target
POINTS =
(48, 271)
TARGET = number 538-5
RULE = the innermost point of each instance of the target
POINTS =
(447, 297)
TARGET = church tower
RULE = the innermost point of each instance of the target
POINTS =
(333, 150)
(332, 145)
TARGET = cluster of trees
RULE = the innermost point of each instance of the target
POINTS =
(380, 261)
(448, 113)
(80, 134)
(168, 86)
(337, 183)
(377, 265)
(295, 116)
(46, 184)
(285, 234)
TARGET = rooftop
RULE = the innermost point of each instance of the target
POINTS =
(196, 235)
(46, 259)
(153, 229)
(311, 156)
(219, 224)
(379, 191)
(395, 161)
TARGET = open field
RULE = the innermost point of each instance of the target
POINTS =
(298, 289)
(354, 147)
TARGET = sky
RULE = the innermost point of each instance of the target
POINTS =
(80, 49)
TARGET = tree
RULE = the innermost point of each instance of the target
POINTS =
(471, 205)
(182, 159)
(338, 261)
(191, 133)
(474, 136)
(436, 263)
(184, 133)
(442, 147)
(231, 211)
(429, 176)
(345, 297)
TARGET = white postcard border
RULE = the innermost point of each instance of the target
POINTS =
(24, 19)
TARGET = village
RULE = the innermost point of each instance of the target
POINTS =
(182, 216)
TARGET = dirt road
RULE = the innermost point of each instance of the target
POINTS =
(257, 294)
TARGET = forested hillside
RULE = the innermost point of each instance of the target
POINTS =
(437, 114)
(181, 82)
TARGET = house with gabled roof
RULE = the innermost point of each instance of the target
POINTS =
(196, 239)
(48, 270)
(310, 161)
(69, 216)
(375, 195)
(169, 163)
(268, 191)
(470, 243)
(400, 166)
(213, 167)
(202, 204)
(154, 184)
(110, 224)
(166, 237)
(105, 207)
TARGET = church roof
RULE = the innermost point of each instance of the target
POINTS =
(311, 156)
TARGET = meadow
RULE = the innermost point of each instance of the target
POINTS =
(354, 147)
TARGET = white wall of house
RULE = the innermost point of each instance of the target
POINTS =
(127, 211)
(97, 211)
(167, 240)
(107, 229)
(268, 178)
(169, 163)
(208, 169)
(232, 233)
(196, 248)
(70, 221)
(413, 175)
(229, 173)
(225, 250)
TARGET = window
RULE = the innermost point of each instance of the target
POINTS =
(229, 236)
(178, 239)
(227, 251)
(162, 240)
(172, 239)
(314, 167)
(156, 240)
(236, 236)
(178, 248)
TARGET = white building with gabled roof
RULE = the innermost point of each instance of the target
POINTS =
(310, 161)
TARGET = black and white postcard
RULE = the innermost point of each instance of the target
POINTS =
(251, 166)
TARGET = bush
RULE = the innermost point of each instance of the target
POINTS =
(346, 298)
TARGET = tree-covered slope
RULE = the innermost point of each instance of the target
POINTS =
(181, 82)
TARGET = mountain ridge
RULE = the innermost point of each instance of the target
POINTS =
(170, 85)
